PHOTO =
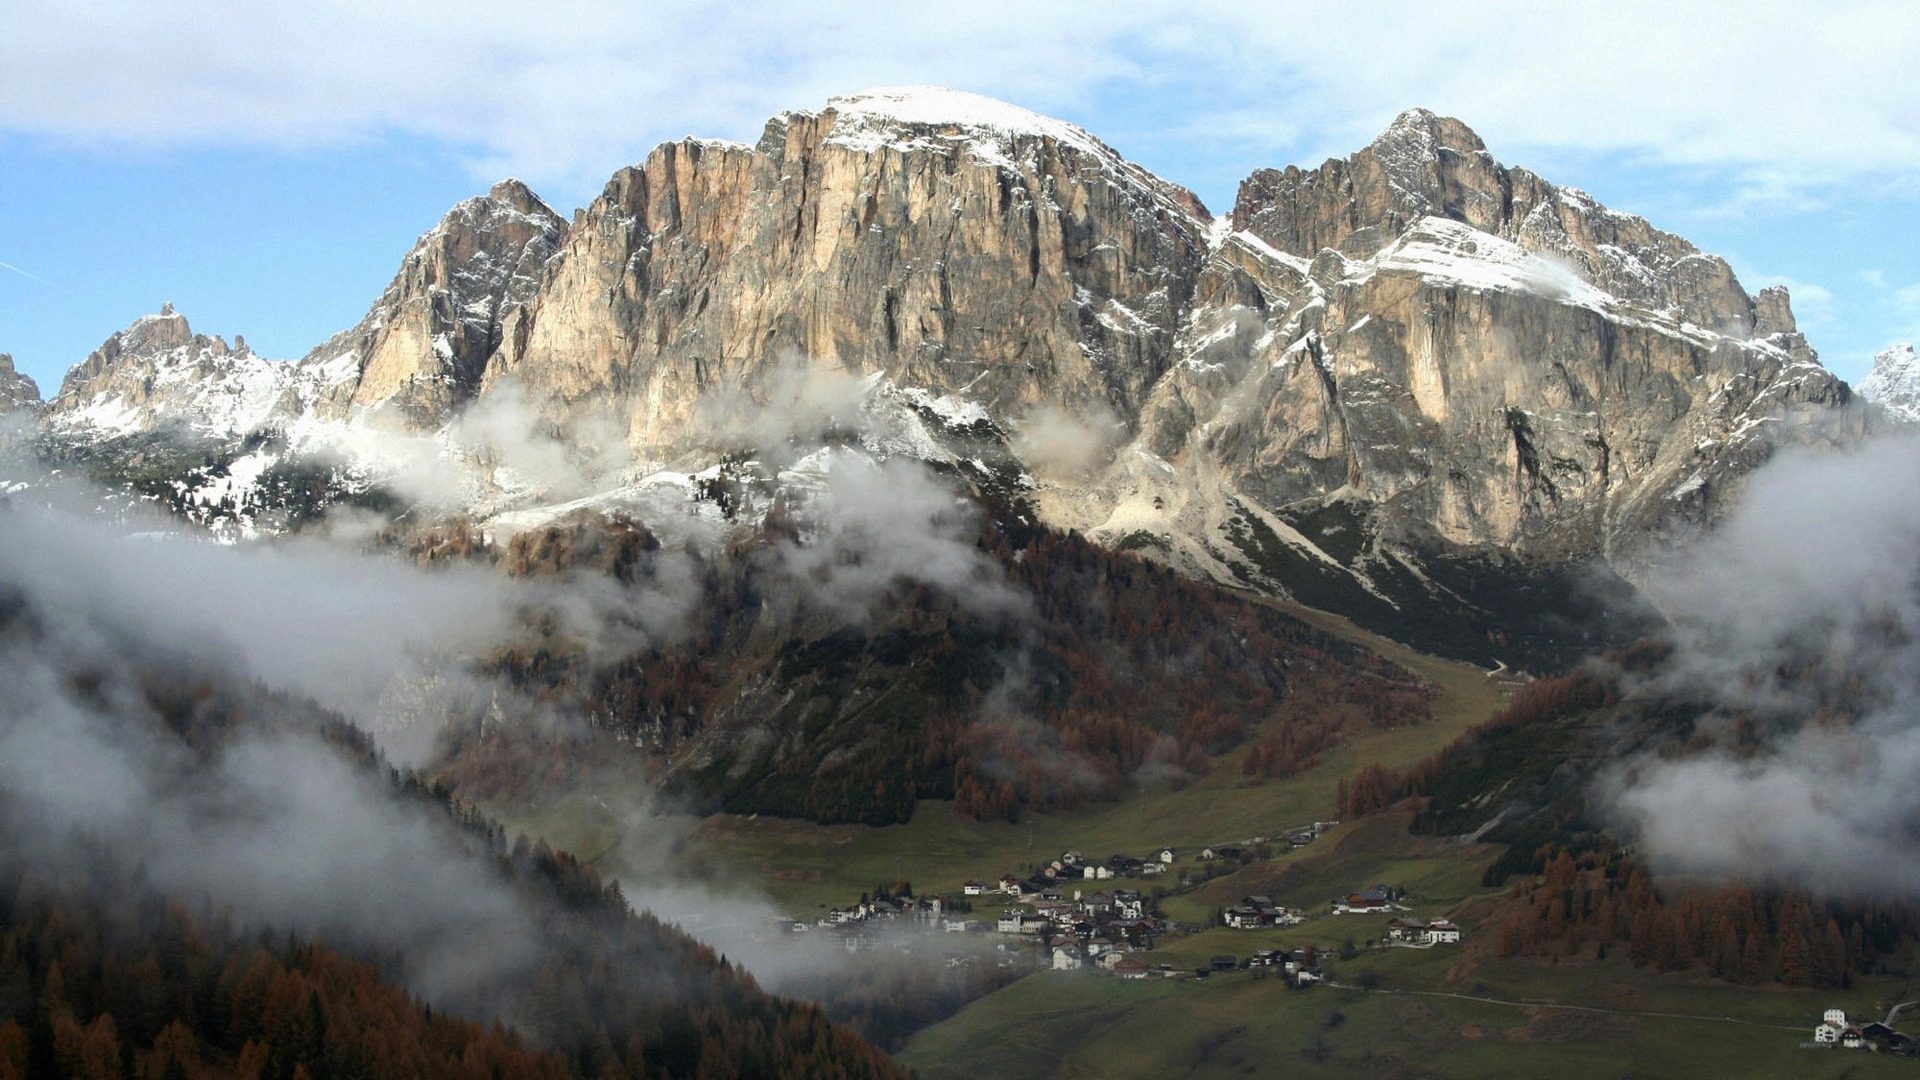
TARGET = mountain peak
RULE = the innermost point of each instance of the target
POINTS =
(519, 196)
(1428, 132)
(154, 333)
(1894, 383)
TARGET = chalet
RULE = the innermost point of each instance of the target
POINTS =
(1377, 892)
(1442, 932)
(1127, 904)
(1306, 976)
(1010, 885)
(1407, 929)
(1167, 854)
(1021, 922)
(1130, 969)
(1241, 917)
(1828, 1033)
(1125, 865)
(973, 888)
(1881, 1037)
(1068, 958)
(1360, 904)
(1223, 962)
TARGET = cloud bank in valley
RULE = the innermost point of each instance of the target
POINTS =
(1808, 594)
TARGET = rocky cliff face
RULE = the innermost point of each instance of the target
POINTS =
(18, 392)
(1894, 384)
(943, 239)
(422, 349)
(1376, 385)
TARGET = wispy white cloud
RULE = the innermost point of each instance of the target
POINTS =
(583, 85)
(24, 274)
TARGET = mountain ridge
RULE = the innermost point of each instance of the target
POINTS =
(1434, 356)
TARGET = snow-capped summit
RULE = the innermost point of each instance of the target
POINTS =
(1894, 383)
(876, 115)
(992, 132)
(158, 372)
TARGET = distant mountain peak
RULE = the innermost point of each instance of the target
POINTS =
(1894, 383)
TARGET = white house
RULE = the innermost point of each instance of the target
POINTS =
(973, 888)
(1827, 1032)
(1166, 854)
(1442, 932)
(1067, 958)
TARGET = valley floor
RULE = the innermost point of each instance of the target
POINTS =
(1445, 1011)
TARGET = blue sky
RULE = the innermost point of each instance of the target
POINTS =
(265, 166)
